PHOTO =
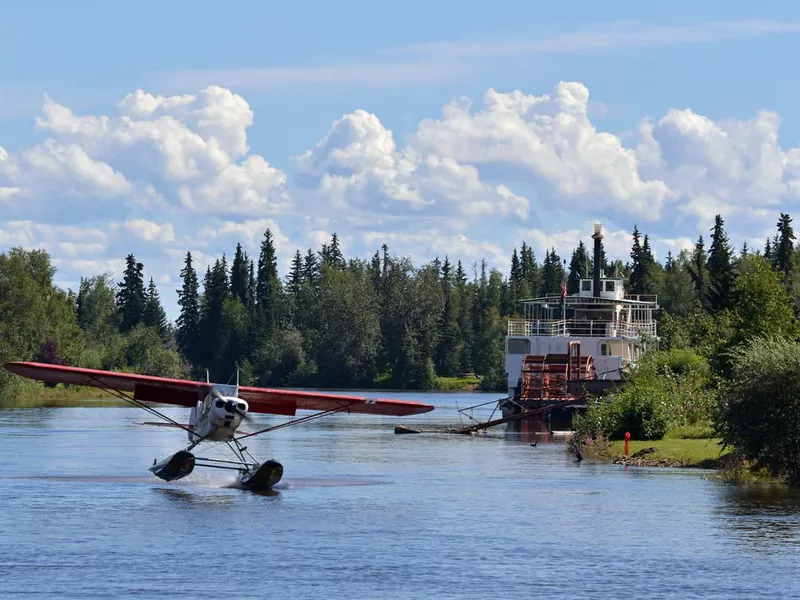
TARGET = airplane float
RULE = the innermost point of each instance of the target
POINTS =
(217, 411)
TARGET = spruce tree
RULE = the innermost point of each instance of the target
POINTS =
(239, 275)
(295, 277)
(699, 271)
(267, 285)
(154, 315)
(130, 295)
(310, 268)
(251, 287)
(720, 268)
(188, 324)
(579, 268)
(638, 266)
(552, 273)
(783, 251)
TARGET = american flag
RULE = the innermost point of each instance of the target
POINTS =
(564, 289)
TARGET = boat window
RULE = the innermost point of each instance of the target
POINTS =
(604, 349)
(586, 285)
(519, 346)
(610, 286)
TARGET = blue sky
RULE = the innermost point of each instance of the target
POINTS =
(439, 127)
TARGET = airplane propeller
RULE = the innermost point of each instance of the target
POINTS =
(230, 404)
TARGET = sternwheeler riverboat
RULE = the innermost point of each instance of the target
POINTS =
(568, 346)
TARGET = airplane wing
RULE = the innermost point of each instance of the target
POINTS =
(182, 392)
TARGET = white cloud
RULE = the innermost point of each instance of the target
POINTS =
(548, 141)
(186, 152)
(357, 165)
(167, 174)
(250, 233)
(148, 230)
(424, 246)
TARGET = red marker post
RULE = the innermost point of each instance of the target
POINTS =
(627, 443)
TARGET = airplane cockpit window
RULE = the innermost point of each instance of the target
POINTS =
(220, 404)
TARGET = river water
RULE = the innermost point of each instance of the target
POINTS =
(364, 513)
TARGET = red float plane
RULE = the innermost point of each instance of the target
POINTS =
(217, 411)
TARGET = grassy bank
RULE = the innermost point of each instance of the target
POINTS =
(673, 452)
(458, 384)
(36, 395)
(681, 452)
(443, 384)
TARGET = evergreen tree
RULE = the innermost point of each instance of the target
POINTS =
(552, 273)
(699, 271)
(331, 254)
(745, 249)
(130, 295)
(239, 275)
(638, 266)
(267, 285)
(251, 287)
(784, 250)
(579, 268)
(215, 292)
(295, 279)
(188, 324)
(720, 269)
(310, 267)
(447, 358)
(154, 315)
(768, 250)
(531, 272)
(461, 275)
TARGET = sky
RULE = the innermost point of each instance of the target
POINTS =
(438, 128)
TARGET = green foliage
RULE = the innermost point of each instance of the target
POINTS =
(131, 298)
(760, 406)
(36, 318)
(144, 352)
(762, 304)
(667, 390)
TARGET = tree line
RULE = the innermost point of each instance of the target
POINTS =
(336, 321)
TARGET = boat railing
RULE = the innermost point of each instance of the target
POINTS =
(580, 328)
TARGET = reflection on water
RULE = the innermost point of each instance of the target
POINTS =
(764, 517)
(196, 499)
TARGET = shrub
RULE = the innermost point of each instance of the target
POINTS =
(667, 389)
(760, 406)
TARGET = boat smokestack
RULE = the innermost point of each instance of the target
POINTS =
(597, 236)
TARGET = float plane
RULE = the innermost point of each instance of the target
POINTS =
(217, 411)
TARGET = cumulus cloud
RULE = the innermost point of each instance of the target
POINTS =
(160, 175)
(186, 152)
(548, 141)
(357, 165)
(423, 246)
(147, 230)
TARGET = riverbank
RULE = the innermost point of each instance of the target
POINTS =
(36, 395)
(682, 453)
(704, 453)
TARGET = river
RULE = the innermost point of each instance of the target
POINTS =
(364, 513)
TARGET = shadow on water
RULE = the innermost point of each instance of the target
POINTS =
(190, 498)
(765, 517)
